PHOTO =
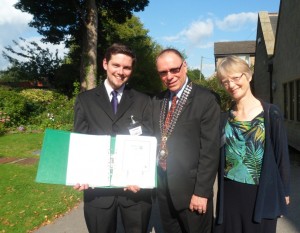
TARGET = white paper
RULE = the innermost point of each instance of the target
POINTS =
(89, 160)
(134, 161)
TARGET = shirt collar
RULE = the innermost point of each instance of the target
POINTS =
(109, 89)
(179, 93)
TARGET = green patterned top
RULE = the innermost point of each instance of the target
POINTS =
(244, 149)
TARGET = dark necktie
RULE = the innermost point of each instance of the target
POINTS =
(114, 101)
(163, 162)
(171, 111)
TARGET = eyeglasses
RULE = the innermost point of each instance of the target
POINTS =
(233, 79)
(172, 71)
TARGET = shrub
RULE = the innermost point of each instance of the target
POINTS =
(38, 95)
(49, 109)
(34, 109)
(14, 107)
(213, 84)
(57, 115)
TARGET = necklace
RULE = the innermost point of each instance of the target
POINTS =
(167, 131)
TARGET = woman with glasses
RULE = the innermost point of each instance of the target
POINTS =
(254, 172)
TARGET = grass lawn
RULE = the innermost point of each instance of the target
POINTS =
(20, 145)
(24, 204)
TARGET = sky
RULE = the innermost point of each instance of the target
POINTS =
(192, 26)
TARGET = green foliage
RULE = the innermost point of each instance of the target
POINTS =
(39, 65)
(194, 74)
(2, 129)
(213, 84)
(13, 74)
(38, 95)
(64, 78)
(35, 109)
(69, 26)
(58, 114)
(76, 90)
(13, 108)
(132, 33)
(49, 109)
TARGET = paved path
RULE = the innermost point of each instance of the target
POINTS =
(291, 222)
(73, 222)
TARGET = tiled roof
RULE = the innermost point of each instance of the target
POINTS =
(234, 47)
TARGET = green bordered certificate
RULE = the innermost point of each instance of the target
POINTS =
(98, 160)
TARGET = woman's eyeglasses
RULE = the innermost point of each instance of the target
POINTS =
(225, 83)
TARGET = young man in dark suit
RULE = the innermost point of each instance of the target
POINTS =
(95, 114)
(187, 126)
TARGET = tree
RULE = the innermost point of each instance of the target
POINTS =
(194, 74)
(79, 21)
(32, 63)
(214, 85)
(145, 77)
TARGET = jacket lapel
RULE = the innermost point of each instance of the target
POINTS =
(104, 102)
(188, 101)
(126, 101)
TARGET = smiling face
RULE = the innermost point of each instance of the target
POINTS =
(172, 70)
(118, 69)
(235, 76)
(237, 84)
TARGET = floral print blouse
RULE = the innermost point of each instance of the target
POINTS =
(244, 149)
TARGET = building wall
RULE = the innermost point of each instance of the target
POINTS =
(261, 76)
(286, 71)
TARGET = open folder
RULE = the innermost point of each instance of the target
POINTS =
(98, 160)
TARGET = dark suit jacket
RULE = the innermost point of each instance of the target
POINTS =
(94, 115)
(193, 146)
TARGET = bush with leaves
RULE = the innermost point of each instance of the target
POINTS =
(4, 118)
(49, 109)
(15, 108)
(57, 115)
(213, 84)
(34, 109)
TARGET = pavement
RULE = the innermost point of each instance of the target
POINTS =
(73, 221)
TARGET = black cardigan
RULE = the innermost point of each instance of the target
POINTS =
(274, 183)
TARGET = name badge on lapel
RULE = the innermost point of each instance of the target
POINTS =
(135, 128)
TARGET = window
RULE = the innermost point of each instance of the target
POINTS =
(292, 101)
(285, 101)
(298, 99)
(246, 58)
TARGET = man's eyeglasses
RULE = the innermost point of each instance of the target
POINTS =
(225, 83)
(172, 71)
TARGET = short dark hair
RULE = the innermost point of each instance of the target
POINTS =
(117, 48)
(170, 50)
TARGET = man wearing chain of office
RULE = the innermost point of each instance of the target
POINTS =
(186, 119)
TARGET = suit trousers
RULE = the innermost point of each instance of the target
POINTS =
(181, 221)
(135, 218)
